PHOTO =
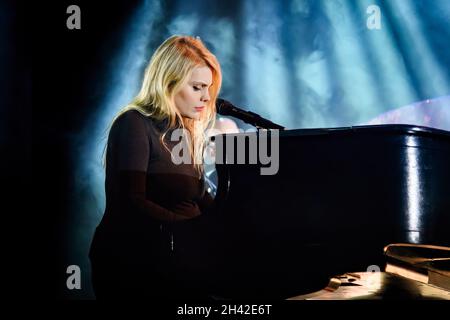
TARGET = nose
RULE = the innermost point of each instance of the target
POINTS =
(205, 96)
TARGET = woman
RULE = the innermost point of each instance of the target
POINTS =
(152, 239)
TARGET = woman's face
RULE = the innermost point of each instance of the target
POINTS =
(193, 97)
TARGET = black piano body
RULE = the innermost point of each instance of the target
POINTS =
(340, 195)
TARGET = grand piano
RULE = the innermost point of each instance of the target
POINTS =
(339, 197)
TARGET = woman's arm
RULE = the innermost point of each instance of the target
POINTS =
(132, 193)
(130, 146)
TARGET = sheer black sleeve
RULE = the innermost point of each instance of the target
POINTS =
(131, 146)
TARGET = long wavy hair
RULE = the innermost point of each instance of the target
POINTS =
(167, 72)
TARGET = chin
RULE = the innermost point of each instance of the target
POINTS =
(192, 116)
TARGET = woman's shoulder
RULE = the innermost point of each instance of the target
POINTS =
(135, 120)
(131, 115)
(129, 122)
(135, 117)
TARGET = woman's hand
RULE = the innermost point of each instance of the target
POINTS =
(186, 210)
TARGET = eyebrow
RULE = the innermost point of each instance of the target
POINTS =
(201, 82)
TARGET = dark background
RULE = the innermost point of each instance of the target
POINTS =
(15, 143)
(46, 70)
(68, 64)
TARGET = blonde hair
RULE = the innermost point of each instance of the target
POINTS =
(168, 71)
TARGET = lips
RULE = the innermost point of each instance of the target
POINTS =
(199, 108)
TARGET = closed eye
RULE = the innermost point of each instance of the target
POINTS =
(199, 85)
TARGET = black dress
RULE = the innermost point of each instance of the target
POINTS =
(138, 250)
